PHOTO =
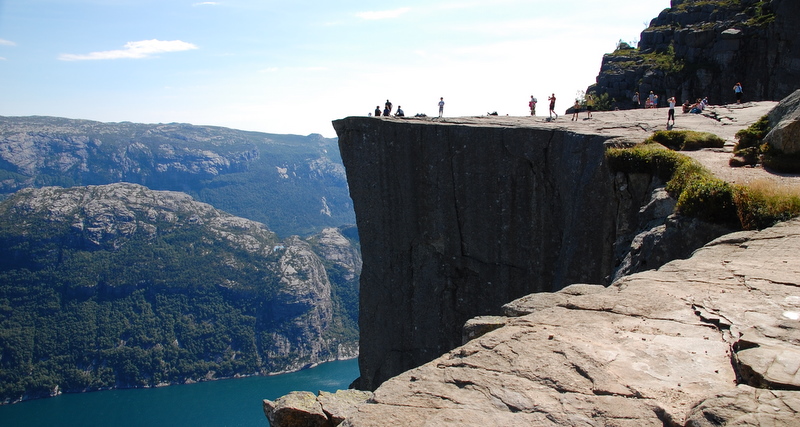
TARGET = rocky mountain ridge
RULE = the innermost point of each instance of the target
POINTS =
(700, 48)
(293, 184)
(143, 288)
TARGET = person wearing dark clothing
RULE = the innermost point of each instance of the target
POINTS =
(552, 100)
(377, 111)
(737, 88)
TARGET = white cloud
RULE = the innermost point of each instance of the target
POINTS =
(7, 43)
(206, 3)
(383, 14)
(134, 50)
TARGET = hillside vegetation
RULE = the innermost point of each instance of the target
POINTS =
(121, 286)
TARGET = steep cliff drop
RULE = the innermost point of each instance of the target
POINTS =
(458, 217)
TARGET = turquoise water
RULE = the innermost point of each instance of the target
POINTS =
(235, 402)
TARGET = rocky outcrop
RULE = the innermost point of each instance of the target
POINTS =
(458, 217)
(302, 408)
(702, 48)
(707, 341)
(784, 121)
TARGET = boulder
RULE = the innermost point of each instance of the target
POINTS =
(304, 409)
(784, 120)
(296, 409)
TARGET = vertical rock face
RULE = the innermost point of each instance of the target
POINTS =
(702, 48)
(457, 219)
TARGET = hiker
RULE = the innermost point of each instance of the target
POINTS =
(386, 111)
(671, 113)
(737, 89)
(637, 103)
(650, 100)
(589, 106)
(532, 105)
(399, 112)
(377, 111)
(552, 100)
(575, 110)
(441, 106)
(388, 106)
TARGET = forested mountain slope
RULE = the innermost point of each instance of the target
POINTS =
(120, 286)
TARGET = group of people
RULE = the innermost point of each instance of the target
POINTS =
(650, 102)
(387, 110)
(576, 109)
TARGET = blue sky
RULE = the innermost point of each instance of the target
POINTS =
(293, 66)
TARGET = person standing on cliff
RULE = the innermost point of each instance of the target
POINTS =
(441, 106)
(589, 106)
(671, 113)
(637, 103)
(388, 106)
(737, 89)
(552, 100)
(575, 110)
(532, 105)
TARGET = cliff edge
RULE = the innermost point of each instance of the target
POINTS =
(461, 215)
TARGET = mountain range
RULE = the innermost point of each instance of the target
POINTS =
(118, 268)
(293, 184)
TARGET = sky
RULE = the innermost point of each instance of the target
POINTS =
(291, 67)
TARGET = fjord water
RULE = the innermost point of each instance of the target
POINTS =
(235, 402)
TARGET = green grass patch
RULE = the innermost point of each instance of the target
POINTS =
(686, 140)
(753, 135)
(702, 195)
(762, 204)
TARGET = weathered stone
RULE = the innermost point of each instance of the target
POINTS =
(785, 122)
(747, 406)
(482, 325)
(770, 366)
(708, 47)
(296, 409)
(644, 351)
(338, 406)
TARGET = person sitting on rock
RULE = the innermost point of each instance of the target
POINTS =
(697, 108)
(686, 106)
(399, 112)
